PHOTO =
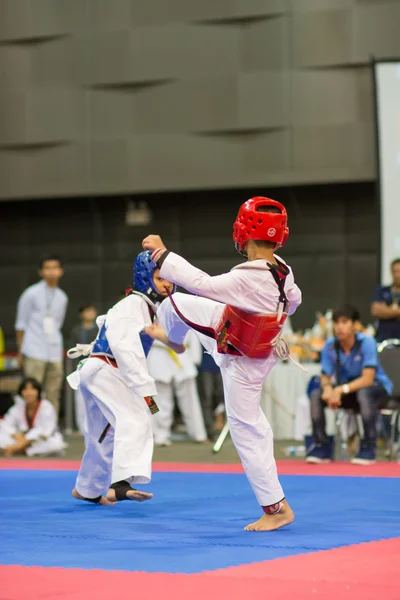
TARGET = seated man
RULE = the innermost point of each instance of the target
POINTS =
(351, 378)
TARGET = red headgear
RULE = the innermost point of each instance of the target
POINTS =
(251, 224)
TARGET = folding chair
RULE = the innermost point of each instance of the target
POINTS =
(389, 357)
(340, 443)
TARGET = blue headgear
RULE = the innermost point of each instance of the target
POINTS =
(143, 270)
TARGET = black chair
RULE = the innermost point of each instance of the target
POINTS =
(389, 357)
(9, 383)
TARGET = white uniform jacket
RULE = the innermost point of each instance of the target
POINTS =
(249, 286)
(124, 322)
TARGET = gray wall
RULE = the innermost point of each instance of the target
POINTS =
(333, 246)
(109, 96)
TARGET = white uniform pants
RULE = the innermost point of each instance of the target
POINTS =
(127, 449)
(80, 415)
(243, 379)
(53, 445)
(189, 405)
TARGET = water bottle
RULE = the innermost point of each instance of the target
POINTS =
(295, 451)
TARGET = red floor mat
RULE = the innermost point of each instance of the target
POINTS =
(285, 467)
(363, 572)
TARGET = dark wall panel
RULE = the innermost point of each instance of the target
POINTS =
(112, 96)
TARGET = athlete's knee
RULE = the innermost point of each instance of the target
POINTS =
(166, 311)
(255, 427)
(180, 296)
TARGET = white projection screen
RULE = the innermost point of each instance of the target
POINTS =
(387, 93)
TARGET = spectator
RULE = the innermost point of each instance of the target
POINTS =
(211, 395)
(386, 306)
(30, 426)
(177, 374)
(351, 378)
(84, 332)
(40, 317)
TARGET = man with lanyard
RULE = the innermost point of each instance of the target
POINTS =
(351, 378)
(40, 317)
(386, 306)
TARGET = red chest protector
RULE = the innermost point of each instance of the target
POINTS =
(251, 335)
(241, 333)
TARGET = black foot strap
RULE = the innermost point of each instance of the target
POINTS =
(121, 488)
(94, 500)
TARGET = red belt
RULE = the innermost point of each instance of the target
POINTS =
(108, 360)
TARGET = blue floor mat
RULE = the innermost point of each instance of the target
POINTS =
(194, 523)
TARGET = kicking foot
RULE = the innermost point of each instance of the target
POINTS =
(121, 490)
(99, 500)
(271, 522)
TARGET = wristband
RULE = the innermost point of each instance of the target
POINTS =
(157, 254)
(160, 257)
(345, 388)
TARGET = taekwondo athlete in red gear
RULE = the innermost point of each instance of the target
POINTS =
(239, 317)
(117, 390)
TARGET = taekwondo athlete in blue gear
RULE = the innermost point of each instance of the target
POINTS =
(117, 391)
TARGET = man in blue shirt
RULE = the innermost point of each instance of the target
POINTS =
(386, 306)
(40, 317)
(351, 378)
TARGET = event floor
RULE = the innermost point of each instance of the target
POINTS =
(188, 542)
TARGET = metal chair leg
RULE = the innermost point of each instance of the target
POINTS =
(341, 446)
(338, 434)
(393, 423)
(221, 438)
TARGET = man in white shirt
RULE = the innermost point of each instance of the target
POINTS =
(40, 316)
(239, 320)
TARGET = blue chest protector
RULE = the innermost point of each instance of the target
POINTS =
(102, 348)
(147, 342)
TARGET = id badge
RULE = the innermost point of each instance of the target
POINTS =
(49, 325)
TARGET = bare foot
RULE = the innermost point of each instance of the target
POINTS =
(271, 522)
(134, 495)
(102, 500)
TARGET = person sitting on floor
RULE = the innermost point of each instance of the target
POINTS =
(352, 378)
(30, 426)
